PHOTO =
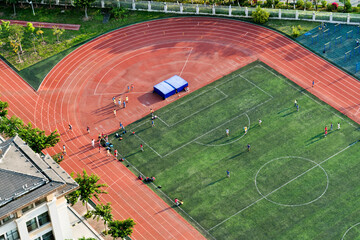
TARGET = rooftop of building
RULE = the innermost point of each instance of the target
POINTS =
(26, 177)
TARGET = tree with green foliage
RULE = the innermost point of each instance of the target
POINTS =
(58, 32)
(260, 15)
(41, 33)
(85, 4)
(30, 29)
(88, 188)
(16, 34)
(37, 139)
(10, 126)
(121, 229)
(3, 109)
(347, 6)
(5, 28)
(13, 2)
(84, 238)
(104, 212)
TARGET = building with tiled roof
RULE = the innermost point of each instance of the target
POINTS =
(32, 194)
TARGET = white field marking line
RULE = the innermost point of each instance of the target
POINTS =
(292, 205)
(130, 57)
(132, 129)
(265, 196)
(216, 128)
(148, 145)
(343, 237)
(255, 85)
(115, 181)
(302, 92)
(223, 144)
(187, 59)
(357, 111)
(158, 189)
(163, 122)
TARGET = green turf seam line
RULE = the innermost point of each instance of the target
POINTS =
(265, 196)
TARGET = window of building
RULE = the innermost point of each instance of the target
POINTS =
(31, 225)
(7, 219)
(2, 237)
(48, 236)
(41, 201)
(38, 238)
(12, 235)
(43, 218)
(24, 210)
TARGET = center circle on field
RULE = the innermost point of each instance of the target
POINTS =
(266, 196)
(223, 144)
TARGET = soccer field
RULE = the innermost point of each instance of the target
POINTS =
(294, 183)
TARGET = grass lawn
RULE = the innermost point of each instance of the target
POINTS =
(293, 184)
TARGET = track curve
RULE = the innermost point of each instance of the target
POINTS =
(201, 49)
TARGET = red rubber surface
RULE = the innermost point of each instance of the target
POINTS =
(45, 24)
(200, 49)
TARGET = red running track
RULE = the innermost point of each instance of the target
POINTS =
(200, 49)
(75, 27)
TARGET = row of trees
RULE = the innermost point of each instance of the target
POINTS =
(36, 139)
(89, 188)
(15, 35)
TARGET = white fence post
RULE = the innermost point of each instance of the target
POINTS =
(181, 8)
(313, 16)
(331, 17)
(348, 18)
(197, 9)
(149, 6)
(279, 13)
(118, 3)
(246, 12)
(57, 2)
(102, 4)
(229, 10)
(297, 15)
(213, 9)
(133, 5)
(165, 7)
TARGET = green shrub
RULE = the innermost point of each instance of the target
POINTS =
(323, 3)
(300, 3)
(119, 13)
(280, 5)
(356, 9)
(347, 6)
(358, 5)
(340, 9)
(309, 5)
(329, 7)
(295, 32)
(260, 15)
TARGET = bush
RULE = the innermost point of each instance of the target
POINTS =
(280, 5)
(356, 9)
(323, 3)
(329, 7)
(347, 6)
(260, 15)
(295, 32)
(119, 13)
(308, 5)
(334, 5)
(358, 5)
(340, 9)
(300, 3)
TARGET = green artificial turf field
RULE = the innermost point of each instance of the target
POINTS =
(293, 184)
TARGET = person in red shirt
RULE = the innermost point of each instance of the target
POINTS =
(116, 153)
